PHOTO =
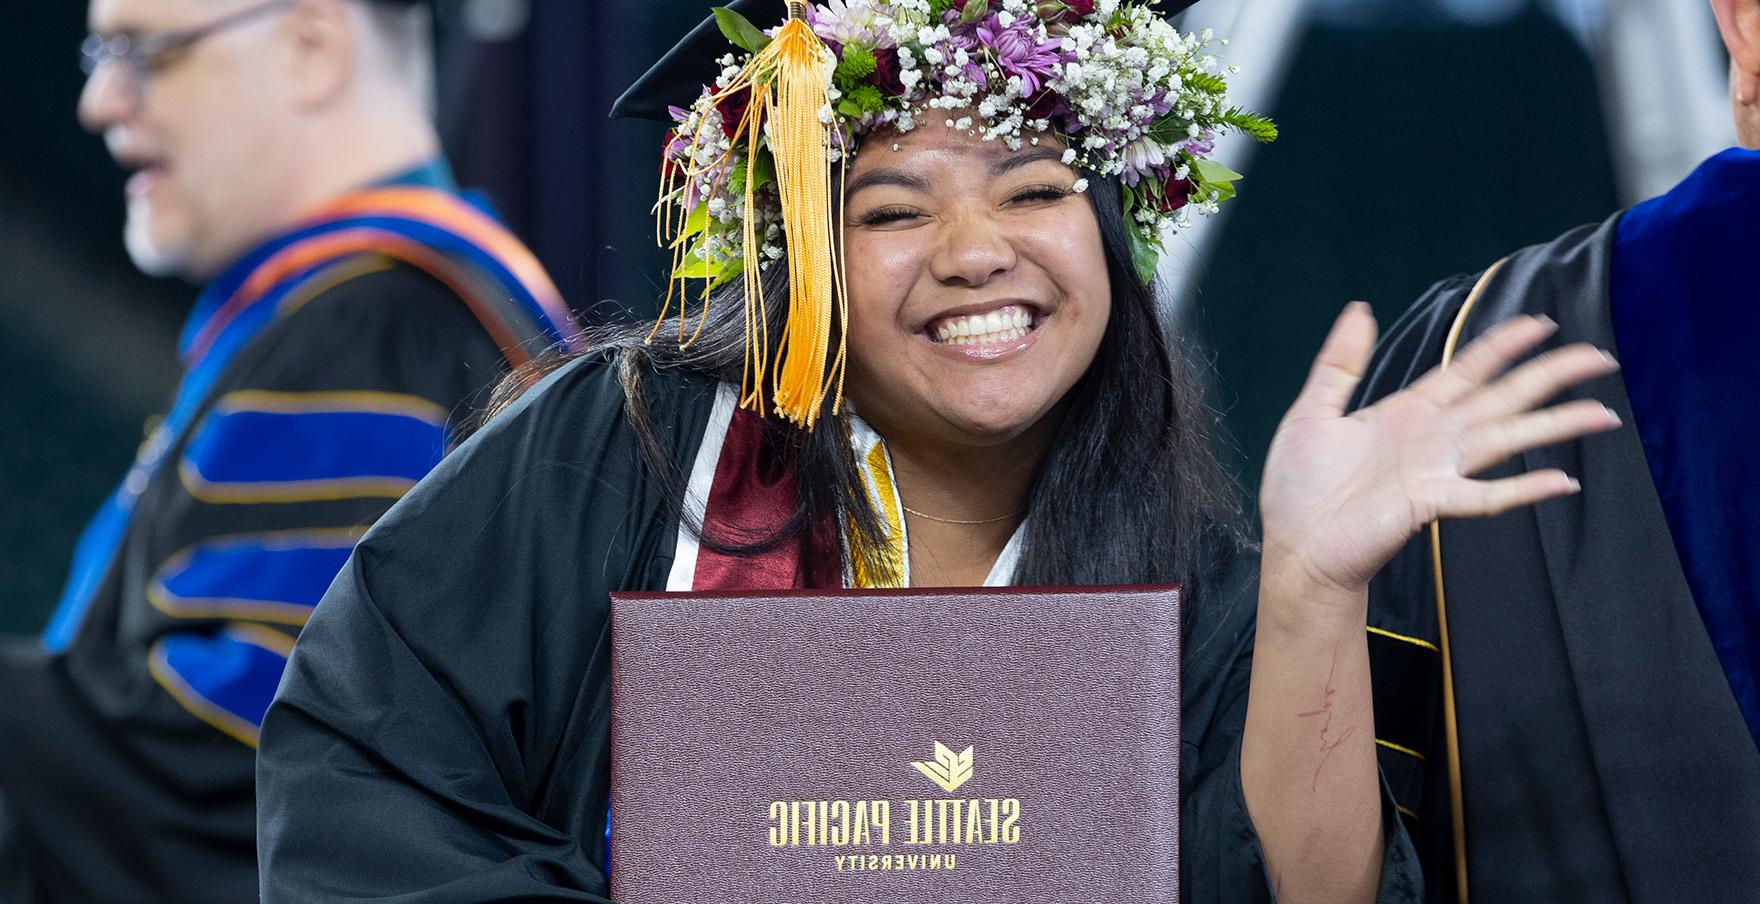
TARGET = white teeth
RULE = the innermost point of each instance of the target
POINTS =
(1005, 325)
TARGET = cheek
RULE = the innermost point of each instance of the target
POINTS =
(1074, 258)
(879, 271)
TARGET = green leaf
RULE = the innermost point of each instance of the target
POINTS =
(1145, 251)
(732, 269)
(939, 8)
(763, 170)
(1251, 124)
(1215, 173)
(1207, 82)
(857, 63)
(849, 109)
(868, 99)
(697, 221)
(740, 30)
(1169, 129)
(699, 268)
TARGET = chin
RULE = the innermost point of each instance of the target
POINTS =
(995, 423)
(151, 252)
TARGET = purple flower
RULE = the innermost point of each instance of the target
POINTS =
(850, 22)
(1200, 146)
(1018, 50)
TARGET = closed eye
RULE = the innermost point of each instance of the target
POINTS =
(882, 216)
(1041, 194)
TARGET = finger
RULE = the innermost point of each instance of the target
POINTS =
(1490, 444)
(1489, 498)
(1339, 366)
(1537, 380)
(1484, 359)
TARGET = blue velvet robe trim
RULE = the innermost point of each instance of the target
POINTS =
(1686, 315)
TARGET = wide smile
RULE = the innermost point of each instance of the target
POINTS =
(986, 333)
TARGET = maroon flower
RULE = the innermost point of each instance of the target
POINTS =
(1174, 194)
(1080, 7)
(1046, 105)
(672, 152)
(885, 75)
(733, 109)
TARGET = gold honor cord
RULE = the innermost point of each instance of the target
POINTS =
(1451, 724)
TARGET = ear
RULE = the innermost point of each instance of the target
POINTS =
(1739, 23)
(323, 64)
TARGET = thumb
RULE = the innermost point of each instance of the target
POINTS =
(1339, 367)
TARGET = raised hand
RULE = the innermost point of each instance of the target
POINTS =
(1342, 494)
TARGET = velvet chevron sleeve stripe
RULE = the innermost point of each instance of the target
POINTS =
(273, 577)
(300, 447)
(225, 679)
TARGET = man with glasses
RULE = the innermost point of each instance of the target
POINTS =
(355, 305)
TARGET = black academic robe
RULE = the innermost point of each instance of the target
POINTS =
(442, 733)
(124, 779)
(1603, 756)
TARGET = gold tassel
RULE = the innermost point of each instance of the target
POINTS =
(789, 81)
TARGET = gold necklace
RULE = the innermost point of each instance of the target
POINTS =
(958, 521)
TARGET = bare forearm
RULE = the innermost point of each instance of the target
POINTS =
(1308, 754)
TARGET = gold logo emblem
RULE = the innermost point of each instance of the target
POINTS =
(950, 770)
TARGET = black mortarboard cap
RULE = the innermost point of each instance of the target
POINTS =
(678, 79)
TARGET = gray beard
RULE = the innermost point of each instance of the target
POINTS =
(148, 257)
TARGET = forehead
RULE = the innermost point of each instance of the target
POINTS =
(148, 16)
(936, 143)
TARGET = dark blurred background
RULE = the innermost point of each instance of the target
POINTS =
(1421, 138)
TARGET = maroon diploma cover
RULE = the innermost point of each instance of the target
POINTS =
(977, 745)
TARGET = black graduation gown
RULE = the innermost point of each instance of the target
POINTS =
(441, 735)
(1603, 755)
(111, 788)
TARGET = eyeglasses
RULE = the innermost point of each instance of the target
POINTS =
(142, 56)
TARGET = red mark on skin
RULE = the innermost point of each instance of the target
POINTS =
(1327, 743)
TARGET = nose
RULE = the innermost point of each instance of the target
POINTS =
(974, 250)
(106, 99)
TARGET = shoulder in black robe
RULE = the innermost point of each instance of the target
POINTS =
(1603, 756)
(111, 788)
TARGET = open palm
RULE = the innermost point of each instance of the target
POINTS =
(1343, 493)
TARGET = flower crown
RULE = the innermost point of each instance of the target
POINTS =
(746, 172)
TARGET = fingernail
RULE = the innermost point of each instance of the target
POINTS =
(1612, 416)
(1576, 486)
(1609, 358)
(1546, 321)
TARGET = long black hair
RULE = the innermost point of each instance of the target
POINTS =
(1130, 491)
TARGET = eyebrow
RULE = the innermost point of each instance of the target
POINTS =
(1004, 164)
(1015, 161)
(899, 178)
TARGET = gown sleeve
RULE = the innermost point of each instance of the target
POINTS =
(1221, 861)
(442, 731)
(149, 704)
(350, 392)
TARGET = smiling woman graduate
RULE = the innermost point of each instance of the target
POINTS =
(927, 353)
